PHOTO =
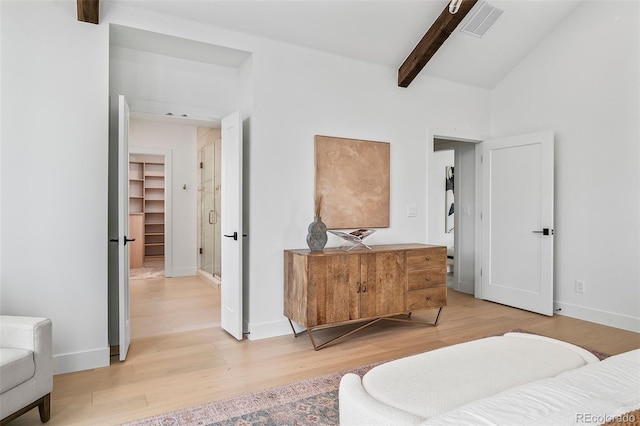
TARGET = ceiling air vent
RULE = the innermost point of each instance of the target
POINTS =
(485, 16)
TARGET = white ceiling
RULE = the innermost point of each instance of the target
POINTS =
(172, 119)
(378, 31)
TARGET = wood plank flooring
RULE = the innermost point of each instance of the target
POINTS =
(171, 305)
(167, 370)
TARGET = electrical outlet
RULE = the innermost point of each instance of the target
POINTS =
(580, 286)
(412, 210)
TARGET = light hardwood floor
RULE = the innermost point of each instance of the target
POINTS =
(165, 372)
(172, 305)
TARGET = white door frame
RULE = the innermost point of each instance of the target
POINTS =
(168, 229)
(478, 218)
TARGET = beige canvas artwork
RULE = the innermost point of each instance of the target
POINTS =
(352, 181)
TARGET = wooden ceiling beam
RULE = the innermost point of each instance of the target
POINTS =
(431, 42)
(89, 11)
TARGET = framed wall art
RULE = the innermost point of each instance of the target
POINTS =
(449, 196)
(352, 182)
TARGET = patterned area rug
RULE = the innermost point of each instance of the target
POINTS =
(309, 402)
(146, 273)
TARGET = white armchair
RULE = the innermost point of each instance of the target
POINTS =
(26, 367)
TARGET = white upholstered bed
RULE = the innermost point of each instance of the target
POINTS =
(515, 379)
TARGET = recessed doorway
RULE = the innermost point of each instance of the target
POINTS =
(454, 175)
(147, 215)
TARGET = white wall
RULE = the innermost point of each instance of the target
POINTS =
(159, 84)
(297, 93)
(329, 95)
(582, 82)
(55, 73)
(1, 138)
(54, 176)
(180, 141)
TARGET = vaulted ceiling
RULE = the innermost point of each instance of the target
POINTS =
(383, 32)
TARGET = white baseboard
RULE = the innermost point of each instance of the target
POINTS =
(184, 272)
(611, 319)
(78, 361)
(269, 329)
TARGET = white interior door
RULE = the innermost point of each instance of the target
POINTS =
(231, 224)
(124, 320)
(517, 221)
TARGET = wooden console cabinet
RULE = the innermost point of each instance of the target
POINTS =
(336, 287)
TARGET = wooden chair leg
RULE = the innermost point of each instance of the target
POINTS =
(44, 407)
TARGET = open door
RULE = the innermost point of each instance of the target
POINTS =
(231, 225)
(517, 221)
(124, 323)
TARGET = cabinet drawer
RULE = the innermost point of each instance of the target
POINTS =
(426, 298)
(428, 278)
(428, 258)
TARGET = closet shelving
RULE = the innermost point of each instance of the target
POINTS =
(136, 215)
(146, 196)
(136, 187)
(153, 210)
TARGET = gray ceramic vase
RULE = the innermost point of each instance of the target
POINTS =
(317, 236)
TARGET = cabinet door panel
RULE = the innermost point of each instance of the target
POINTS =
(333, 278)
(383, 283)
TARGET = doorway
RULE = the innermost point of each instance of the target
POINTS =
(453, 174)
(443, 205)
(184, 80)
(147, 215)
(166, 151)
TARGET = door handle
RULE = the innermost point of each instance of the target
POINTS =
(545, 231)
(235, 236)
(126, 240)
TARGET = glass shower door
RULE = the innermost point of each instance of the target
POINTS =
(210, 229)
(208, 213)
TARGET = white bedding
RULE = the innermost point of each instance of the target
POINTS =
(592, 394)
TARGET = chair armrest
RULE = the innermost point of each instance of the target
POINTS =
(23, 332)
(34, 334)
